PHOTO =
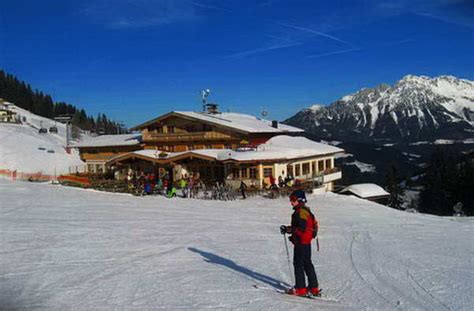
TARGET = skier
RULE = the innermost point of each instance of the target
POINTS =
(304, 228)
(243, 188)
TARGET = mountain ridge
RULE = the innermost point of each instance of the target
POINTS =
(414, 108)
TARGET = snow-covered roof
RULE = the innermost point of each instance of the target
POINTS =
(238, 121)
(281, 147)
(365, 190)
(110, 140)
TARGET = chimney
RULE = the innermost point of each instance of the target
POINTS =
(212, 108)
(275, 124)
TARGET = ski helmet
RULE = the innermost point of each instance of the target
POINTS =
(298, 195)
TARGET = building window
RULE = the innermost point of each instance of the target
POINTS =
(190, 129)
(253, 172)
(313, 167)
(90, 168)
(328, 164)
(297, 169)
(191, 147)
(289, 170)
(321, 166)
(170, 129)
(305, 168)
(267, 171)
(243, 172)
(235, 173)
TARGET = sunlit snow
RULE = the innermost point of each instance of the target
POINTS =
(65, 248)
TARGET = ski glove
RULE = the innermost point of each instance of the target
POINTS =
(285, 229)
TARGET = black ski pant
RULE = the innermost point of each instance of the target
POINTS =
(303, 265)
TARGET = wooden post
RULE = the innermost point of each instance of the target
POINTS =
(260, 175)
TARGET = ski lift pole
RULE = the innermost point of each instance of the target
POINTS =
(67, 135)
(66, 118)
(288, 257)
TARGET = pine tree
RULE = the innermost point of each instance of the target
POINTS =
(393, 180)
(437, 196)
(465, 184)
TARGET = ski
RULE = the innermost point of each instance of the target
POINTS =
(286, 291)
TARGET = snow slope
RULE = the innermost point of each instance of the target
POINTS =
(23, 149)
(63, 248)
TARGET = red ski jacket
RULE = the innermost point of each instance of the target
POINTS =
(304, 225)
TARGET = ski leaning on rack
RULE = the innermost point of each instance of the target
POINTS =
(287, 291)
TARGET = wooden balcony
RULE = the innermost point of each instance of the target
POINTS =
(182, 137)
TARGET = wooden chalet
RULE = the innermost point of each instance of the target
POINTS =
(219, 146)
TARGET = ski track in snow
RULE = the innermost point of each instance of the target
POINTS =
(65, 248)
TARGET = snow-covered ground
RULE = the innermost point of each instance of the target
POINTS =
(23, 149)
(64, 248)
(363, 167)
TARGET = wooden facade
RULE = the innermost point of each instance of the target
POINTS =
(175, 133)
(105, 153)
(96, 157)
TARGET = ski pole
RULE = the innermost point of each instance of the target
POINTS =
(317, 243)
(288, 257)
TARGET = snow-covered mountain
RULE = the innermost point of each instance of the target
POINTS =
(24, 149)
(415, 108)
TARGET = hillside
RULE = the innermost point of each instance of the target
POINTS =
(60, 245)
(42, 104)
(22, 148)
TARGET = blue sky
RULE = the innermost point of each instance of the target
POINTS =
(136, 59)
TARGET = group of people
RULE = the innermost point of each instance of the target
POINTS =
(190, 186)
(288, 181)
(149, 183)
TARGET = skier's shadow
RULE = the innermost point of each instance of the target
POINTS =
(216, 259)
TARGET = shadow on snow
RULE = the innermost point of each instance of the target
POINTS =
(227, 263)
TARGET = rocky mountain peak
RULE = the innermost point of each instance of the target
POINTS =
(415, 107)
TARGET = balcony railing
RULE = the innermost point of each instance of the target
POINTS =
(160, 137)
(332, 175)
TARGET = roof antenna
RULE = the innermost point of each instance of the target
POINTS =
(204, 95)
